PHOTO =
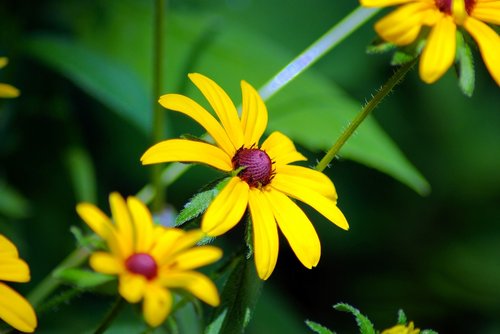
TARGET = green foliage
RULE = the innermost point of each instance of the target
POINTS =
(314, 326)
(12, 203)
(402, 320)
(81, 278)
(82, 174)
(378, 45)
(465, 66)
(364, 324)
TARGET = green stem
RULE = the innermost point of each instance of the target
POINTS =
(360, 117)
(108, 319)
(158, 112)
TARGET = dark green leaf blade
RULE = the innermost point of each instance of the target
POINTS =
(314, 326)
(365, 325)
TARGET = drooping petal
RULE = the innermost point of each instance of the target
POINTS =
(222, 105)
(16, 310)
(487, 11)
(95, 219)
(196, 257)
(439, 50)
(254, 114)
(7, 248)
(281, 149)
(192, 109)
(265, 233)
(122, 219)
(14, 270)
(106, 263)
(132, 287)
(310, 178)
(197, 284)
(183, 150)
(8, 91)
(226, 209)
(143, 224)
(296, 227)
(157, 305)
(382, 3)
(320, 203)
(489, 45)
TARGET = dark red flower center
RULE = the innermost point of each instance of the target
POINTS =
(258, 167)
(445, 5)
(142, 264)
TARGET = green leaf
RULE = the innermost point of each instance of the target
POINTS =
(401, 57)
(318, 328)
(428, 331)
(365, 325)
(83, 278)
(238, 300)
(465, 66)
(82, 174)
(378, 46)
(402, 319)
(12, 203)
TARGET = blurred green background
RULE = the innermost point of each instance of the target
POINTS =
(83, 120)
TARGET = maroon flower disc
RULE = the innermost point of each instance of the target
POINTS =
(258, 167)
(142, 264)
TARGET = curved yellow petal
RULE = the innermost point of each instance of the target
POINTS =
(296, 227)
(122, 219)
(7, 248)
(132, 287)
(95, 219)
(196, 257)
(487, 11)
(186, 240)
(489, 45)
(157, 305)
(165, 243)
(281, 149)
(106, 263)
(14, 270)
(254, 114)
(226, 209)
(197, 284)
(222, 105)
(382, 3)
(320, 203)
(403, 25)
(16, 310)
(309, 178)
(192, 109)
(265, 233)
(183, 150)
(439, 50)
(8, 91)
(143, 224)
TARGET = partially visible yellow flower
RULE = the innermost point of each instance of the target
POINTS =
(14, 308)
(6, 90)
(402, 329)
(149, 259)
(403, 25)
(262, 178)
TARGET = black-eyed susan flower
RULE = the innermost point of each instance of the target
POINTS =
(14, 308)
(6, 90)
(402, 329)
(149, 259)
(262, 178)
(403, 25)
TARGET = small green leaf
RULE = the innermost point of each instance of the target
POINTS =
(465, 66)
(365, 325)
(378, 46)
(402, 320)
(401, 57)
(428, 331)
(314, 326)
(82, 278)
(12, 203)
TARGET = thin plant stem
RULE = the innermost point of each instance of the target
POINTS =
(108, 319)
(360, 117)
(158, 112)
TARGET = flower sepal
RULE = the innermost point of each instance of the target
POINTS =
(464, 65)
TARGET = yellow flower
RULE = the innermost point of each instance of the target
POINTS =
(402, 329)
(7, 91)
(403, 25)
(264, 177)
(14, 309)
(149, 259)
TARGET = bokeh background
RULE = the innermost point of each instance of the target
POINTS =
(73, 135)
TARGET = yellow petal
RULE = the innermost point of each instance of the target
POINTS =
(296, 227)
(95, 219)
(439, 50)
(122, 219)
(197, 284)
(164, 244)
(14, 270)
(403, 25)
(7, 248)
(143, 224)
(8, 91)
(489, 45)
(183, 150)
(222, 105)
(309, 178)
(226, 209)
(157, 305)
(106, 263)
(196, 257)
(192, 109)
(320, 203)
(16, 310)
(382, 3)
(265, 233)
(132, 287)
(254, 114)
(187, 240)
(281, 149)
(487, 11)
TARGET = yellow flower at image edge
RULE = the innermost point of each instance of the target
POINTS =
(264, 177)
(402, 329)
(149, 259)
(6, 90)
(403, 25)
(14, 308)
